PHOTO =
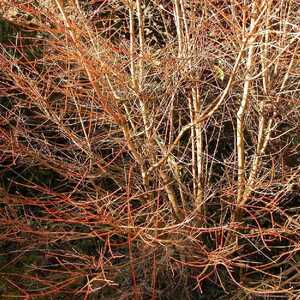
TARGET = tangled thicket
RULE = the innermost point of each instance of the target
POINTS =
(150, 149)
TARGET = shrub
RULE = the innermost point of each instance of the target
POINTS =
(150, 149)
